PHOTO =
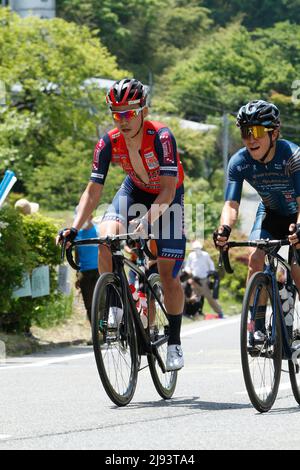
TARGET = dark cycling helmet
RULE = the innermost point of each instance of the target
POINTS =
(259, 113)
(126, 92)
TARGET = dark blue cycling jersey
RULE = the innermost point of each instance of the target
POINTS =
(277, 182)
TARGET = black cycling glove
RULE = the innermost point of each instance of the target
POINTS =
(69, 238)
(225, 233)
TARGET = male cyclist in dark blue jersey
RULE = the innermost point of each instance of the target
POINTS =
(272, 167)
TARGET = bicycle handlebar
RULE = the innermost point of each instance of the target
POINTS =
(112, 241)
(263, 244)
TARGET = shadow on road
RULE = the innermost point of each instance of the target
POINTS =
(191, 403)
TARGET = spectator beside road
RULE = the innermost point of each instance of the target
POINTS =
(199, 264)
(26, 208)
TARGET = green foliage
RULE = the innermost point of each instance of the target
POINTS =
(44, 312)
(145, 35)
(48, 112)
(199, 191)
(232, 67)
(233, 285)
(14, 249)
(198, 150)
(40, 233)
(60, 182)
(26, 243)
(257, 13)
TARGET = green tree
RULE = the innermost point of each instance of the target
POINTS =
(46, 102)
(232, 67)
(145, 35)
(254, 14)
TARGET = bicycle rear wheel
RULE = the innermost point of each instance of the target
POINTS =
(261, 356)
(294, 369)
(164, 382)
(114, 341)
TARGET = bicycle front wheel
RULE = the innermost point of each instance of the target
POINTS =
(261, 343)
(164, 382)
(114, 341)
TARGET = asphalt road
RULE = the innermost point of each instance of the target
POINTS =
(56, 401)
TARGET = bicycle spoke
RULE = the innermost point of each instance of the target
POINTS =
(261, 352)
(165, 382)
(114, 342)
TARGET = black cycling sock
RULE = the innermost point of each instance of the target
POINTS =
(175, 327)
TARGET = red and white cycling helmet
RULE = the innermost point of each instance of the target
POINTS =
(127, 92)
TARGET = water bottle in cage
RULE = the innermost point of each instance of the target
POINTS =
(287, 295)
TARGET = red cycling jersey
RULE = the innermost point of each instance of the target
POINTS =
(158, 153)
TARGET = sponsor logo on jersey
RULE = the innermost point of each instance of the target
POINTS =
(243, 167)
(168, 152)
(151, 160)
(125, 163)
(99, 147)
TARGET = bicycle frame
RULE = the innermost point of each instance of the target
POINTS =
(119, 262)
(270, 270)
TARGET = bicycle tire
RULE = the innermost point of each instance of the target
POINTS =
(164, 382)
(263, 395)
(114, 348)
(294, 371)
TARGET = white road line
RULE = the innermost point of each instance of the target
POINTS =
(74, 357)
(48, 362)
(3, 437)
(218, 324)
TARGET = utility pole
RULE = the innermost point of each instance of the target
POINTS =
(225, 146)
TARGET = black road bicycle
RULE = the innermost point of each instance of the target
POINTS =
(119, 337)
(270, 324)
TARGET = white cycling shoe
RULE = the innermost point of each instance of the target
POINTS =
(175, 359)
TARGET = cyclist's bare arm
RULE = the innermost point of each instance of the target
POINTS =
(229, 217)
(88, 203)
(230, 213)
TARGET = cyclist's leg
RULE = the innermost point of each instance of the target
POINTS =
(115, 222)
(173, 292)
(108, 228)
(171, 250)
(256, 263)
(259, 230)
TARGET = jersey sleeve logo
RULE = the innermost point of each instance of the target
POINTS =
(168, 150)
(99, 147)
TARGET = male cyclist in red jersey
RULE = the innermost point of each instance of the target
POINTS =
(147, 152)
